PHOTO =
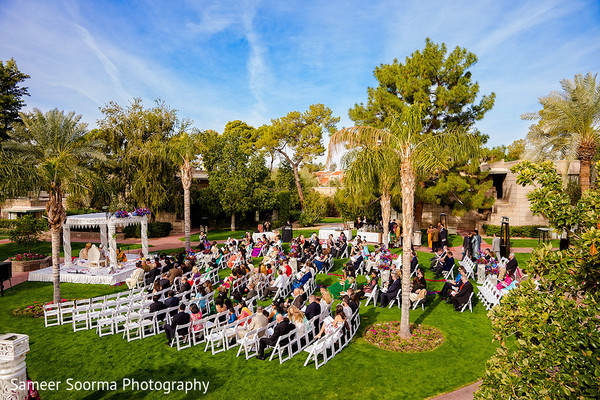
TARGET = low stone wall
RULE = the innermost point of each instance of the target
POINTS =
(33, 265)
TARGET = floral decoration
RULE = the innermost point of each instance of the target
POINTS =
(386, 336)
(27, 257)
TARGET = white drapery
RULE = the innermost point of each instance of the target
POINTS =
(107, 224)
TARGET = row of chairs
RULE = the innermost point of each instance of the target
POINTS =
(489, 294)
(326, 347)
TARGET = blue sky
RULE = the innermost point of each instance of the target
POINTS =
(256, 60)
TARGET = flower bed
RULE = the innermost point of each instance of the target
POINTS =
(27, 257)
(36, 310)
(386, 336)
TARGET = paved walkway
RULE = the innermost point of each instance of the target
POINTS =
(464, 393)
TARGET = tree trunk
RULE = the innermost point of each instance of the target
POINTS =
(584, 174)
(385, 216)
(186, 181)
(408, 200)
(298, 186)
(56, 263)
(419, 214)
(56, 216)
(232, 227)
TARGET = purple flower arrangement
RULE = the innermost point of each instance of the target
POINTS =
(138, 212)
(121, 214)
(386, 336)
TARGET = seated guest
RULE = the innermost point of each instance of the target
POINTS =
(369, 287)
(135, 278)
(259, 320)
(156, 286)
(171, 300)
(352, 299)
(299, 299)
(276, 308)
(196, 318)
(164, 281)
(326, 299)
(121, 257)
(419, 287)
(83, 254)
(346, 307)
(460, 297)
(306, 275)
(321, 259)
(156, 304)
(348, 271)
(298, 319)
(447, 265)
(510, 268)
(452, 285)
(276, 284)
(331, 325)
(392, 290)
(414, 261)
(174, 273)
(181, 318)
(244, 310)
(185, 286)
(282, 328)
(231, 316)
(313, 309)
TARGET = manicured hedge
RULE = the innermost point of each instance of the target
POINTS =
(155, 229)
(530, 231)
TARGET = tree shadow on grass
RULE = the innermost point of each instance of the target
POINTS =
(428, 309)
(366, 319)
(167, 372)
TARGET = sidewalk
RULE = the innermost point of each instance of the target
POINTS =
(464, 393)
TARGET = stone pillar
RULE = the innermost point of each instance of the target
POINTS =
(104, 237)
(144, 234)
(13, 348)
(112, 245)
(67, 244)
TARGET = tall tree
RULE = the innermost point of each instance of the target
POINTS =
(419, 153)
(298, 137)
(439, 83)
(568, 125)
(11, 96)
(236, 172)
(141, 173)
(373, 171)
(51, 153)
(184, 150)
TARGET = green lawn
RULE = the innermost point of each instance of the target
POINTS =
(332, 220)
(10, 249)
(360, 370)
(526, 242)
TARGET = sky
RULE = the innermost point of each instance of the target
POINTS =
(218, 61)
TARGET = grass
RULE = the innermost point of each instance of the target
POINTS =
(58, 354)
(10, 249)
(332, 220)
(533, 243)
(224, 233)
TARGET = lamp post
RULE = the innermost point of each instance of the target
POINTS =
(505, 237)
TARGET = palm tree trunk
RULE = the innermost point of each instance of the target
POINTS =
(186, 181)
(56, 263)
(584, 174)
(408, 201)
(385, 216)
(232, 226)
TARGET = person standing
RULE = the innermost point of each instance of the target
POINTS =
(430, 237)
(435, 237)
(443, 235)
(496, 244)
(467, 249)
(476, 244)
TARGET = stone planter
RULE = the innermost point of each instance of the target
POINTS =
(33, 265)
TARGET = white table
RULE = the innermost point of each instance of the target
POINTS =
(259, 235)
(324, 234)
(371, 237)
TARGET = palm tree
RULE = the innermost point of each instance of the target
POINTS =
(568, 125)
(418, 154)
(373, 170)
(184, 149)
(50, 152)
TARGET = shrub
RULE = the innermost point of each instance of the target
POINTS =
(155, 229)
(26, 231)
(528, 231)
(283, 205)
(314, 209)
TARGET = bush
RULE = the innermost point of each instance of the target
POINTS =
(26, 231)
(155, 229)
(283, 205)
(528, 231)
(314, 209)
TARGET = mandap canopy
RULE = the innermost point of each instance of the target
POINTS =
(107, 224)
